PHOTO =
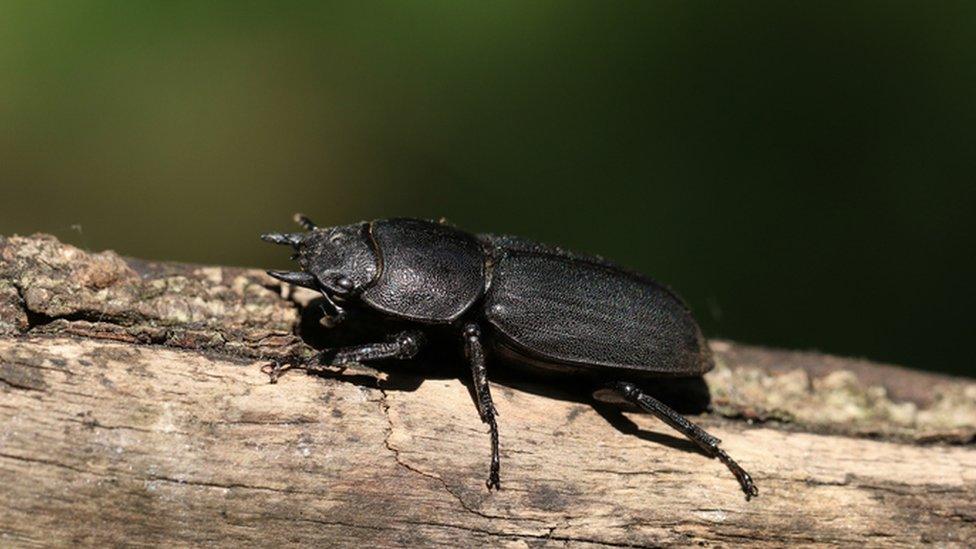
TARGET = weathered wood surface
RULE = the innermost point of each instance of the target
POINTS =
(133, 411)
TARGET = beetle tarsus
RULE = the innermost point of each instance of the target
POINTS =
(696, 434)
(745, 480)
(274, 369)
(493, 479)
(486, 407)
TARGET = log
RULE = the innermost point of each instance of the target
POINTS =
(133, 410)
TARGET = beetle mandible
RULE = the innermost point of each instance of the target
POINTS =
(543, 308)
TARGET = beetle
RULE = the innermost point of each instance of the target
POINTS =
(543, 308)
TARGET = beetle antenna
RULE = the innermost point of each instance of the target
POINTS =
(305, 222)
(331, 320)
(291, 239)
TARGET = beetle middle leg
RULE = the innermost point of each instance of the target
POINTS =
(696, 434)
(486, 408)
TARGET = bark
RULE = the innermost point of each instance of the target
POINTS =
(133, 410)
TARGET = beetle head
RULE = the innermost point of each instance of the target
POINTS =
(341, 259)
(338, 261)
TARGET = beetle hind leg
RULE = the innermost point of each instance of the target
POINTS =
(632, 393)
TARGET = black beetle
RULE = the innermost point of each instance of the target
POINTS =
(543, 308)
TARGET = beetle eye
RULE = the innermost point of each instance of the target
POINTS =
(345, 283)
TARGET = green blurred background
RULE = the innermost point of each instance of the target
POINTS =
(801, 173)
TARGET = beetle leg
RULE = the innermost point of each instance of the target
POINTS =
(403, 345)
(486, 408)
(696, 434)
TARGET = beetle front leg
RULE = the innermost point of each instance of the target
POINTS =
(402, 346)
(486, 408)
(696, 434)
